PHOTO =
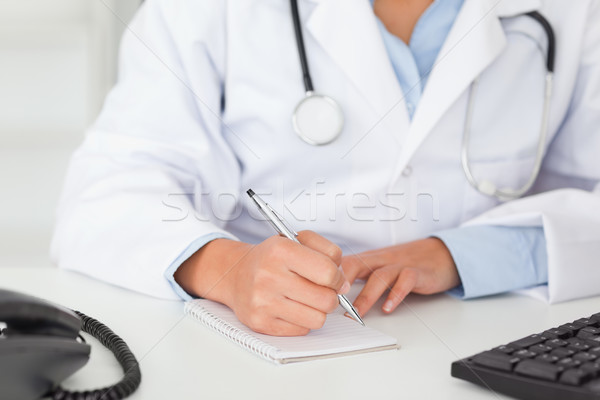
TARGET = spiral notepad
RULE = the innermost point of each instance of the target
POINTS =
(339, 336)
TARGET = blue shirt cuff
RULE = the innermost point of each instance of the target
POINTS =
(187, 253)
(496, 259)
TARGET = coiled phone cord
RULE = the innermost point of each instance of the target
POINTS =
(132, 374)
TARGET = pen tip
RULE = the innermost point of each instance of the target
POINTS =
(250, 192)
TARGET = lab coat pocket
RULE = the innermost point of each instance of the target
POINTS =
(504, 174)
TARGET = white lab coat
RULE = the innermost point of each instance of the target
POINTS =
(203, 107)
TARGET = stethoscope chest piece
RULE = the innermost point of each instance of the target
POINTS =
(318, 119)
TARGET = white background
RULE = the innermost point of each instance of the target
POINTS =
(57, 62)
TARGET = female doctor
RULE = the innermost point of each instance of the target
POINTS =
(437, 145)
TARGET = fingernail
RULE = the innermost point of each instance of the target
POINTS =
(387, 307)
(345, 288)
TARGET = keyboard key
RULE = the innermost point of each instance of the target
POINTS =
(522, 354)
(595, 317)
(568, 363)
(592, 342)
(555, 343)
(528, 341)
(572, 327)
(587, 322)
(594, 368)
(549, 358)
(584, 357)
(540, 349)
(588, 333)
(496, 360)
(577, 344)
(595, 351)
(539, 369)
(561, 352)
(576, 377)
(557, 333)
(504, 349)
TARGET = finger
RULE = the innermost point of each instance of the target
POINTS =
(300, 314)
(355, 267)
(281, 317)
(319, 243)
(376, 285)
(406, 282)
(303, 291)
(362, 265)
(317, 268)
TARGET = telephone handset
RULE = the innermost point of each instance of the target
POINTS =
(41, 345)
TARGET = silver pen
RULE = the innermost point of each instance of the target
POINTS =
(284, 229)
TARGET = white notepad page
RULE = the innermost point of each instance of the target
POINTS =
(339, 336)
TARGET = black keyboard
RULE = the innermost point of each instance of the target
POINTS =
(561, 363)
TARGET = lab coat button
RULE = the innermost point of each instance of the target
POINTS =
(407, 171)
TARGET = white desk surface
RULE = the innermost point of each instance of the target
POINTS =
(181, 359)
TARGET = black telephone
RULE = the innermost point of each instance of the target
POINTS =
(40, 346)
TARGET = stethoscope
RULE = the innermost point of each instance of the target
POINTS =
(318, 119)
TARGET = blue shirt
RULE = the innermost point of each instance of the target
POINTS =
(412, 63)
(489, 259)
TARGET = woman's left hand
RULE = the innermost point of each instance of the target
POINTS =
(423, 266)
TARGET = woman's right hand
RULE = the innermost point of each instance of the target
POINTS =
(277, 287)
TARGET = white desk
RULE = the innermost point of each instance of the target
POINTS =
(181, 359)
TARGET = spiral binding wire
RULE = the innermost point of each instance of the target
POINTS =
(239, 337)
(132, 374)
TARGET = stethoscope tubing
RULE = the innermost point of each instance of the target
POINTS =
(551, 56)
(308, 85)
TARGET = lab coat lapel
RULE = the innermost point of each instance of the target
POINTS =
(347, 31)
(474, 42)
